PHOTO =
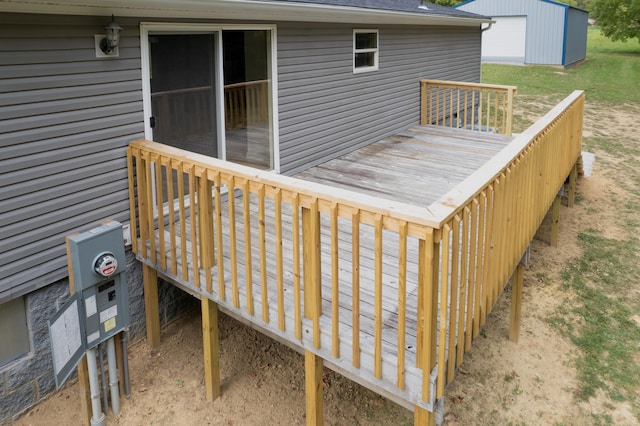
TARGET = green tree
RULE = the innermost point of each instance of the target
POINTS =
(618, 19)
(446, 2)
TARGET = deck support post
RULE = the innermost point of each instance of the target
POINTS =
(313, 388)
(211, 350)
(555, 221)
(422, 417)
(117, 340)
(152, 313)
(571, 193)
(516, 303)
(83, 370)
(311, 261)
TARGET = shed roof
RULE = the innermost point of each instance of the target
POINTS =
(556, 3)
(415, 12)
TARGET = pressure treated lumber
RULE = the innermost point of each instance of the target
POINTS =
(210, 347)
(152, 313)
(83, 371)
(313, 388)
(413, 239)
(516, 303)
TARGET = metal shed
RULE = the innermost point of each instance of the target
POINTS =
(532, 31)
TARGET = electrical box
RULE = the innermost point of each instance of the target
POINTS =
(99, 275)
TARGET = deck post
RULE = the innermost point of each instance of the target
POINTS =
(422, 417)
(428, 272)
(150, 283)
(83, 370)
(210, 346)
(571, 193)
(555, 221)
(117, 340)
(313, 388)
(311, 261)
(516, 303)
(509, 111)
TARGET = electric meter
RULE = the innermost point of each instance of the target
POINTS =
(99, 274)
(106, 264)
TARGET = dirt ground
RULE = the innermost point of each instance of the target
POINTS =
(531, 382)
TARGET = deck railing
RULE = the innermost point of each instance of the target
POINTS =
(260, 252)
(245, 104)
(475, 106)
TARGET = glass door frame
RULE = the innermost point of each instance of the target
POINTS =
(151, 28)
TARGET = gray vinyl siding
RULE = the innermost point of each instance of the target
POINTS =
(66, 118)
(546, 20)
(325, 110)
(575, 43)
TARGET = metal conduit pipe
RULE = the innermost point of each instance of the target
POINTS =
(113, 377)
(103, 380)
(98, 416)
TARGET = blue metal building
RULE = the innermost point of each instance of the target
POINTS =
(532, 31)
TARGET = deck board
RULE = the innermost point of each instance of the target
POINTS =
(417, 166)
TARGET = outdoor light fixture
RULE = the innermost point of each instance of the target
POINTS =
(109, 44)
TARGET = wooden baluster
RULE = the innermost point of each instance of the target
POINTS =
(279, 269)
(172, 218)
(377, 370)
(402, 301)
(233, 253)
(335, 283)
(246, 214)
(193, 213)
(295, 234)
(131, 156)
(183, 222)
(453, 300)
(355, 284)
(263, 255)
(217, 180)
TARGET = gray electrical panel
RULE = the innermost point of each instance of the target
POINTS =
(99, 274)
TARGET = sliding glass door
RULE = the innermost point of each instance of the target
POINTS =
(211, 93)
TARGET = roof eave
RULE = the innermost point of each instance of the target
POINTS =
(235, 9)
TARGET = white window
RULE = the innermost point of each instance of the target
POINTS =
(365, 50)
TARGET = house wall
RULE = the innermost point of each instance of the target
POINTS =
(66, 118)
(545, 25)
(65, 121)
(576, 39)
(326, 110)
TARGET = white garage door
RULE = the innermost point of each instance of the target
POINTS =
(506, 39)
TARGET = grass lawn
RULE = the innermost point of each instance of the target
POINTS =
(611, 73)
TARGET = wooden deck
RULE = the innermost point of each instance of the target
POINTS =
(417, 166)
(382, 264)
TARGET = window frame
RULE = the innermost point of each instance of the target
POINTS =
(375, 51)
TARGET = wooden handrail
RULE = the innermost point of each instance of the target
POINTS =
(476, 106)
